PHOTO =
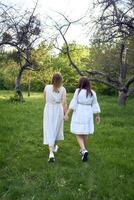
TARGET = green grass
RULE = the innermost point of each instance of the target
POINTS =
(26, 175)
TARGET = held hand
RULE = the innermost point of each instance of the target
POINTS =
(66, 117)
(98, 119)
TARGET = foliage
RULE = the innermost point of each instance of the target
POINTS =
(46, 62)
(8, 71)
(15, 98)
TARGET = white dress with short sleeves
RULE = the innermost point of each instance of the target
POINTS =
(83, 109)
(53, 115)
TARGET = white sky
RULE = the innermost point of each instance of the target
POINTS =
(73, 8)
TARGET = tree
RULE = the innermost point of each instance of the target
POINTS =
(19, 30)
(122, 81)
(115, 25)
(79, 53)
(43, 60)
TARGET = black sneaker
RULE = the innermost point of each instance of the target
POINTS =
(84, 155)
(51, 157)
(51, 160)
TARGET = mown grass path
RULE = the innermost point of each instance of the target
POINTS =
(26, 175)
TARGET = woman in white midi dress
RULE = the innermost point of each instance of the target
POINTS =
(53, 119)
(84, 104)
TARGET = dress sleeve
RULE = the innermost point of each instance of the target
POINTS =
(45, 89)
(73, 103)
(95, 104)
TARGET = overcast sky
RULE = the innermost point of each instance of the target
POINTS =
(72, 8)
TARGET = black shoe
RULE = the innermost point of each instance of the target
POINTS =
(51, 160)
(84, 155)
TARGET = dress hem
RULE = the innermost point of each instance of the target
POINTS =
(89, 133)
(45, 143)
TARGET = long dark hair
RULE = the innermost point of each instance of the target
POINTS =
(84, 83)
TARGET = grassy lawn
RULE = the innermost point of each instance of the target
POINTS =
(25, 173)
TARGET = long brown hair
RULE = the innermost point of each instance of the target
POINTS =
(84, 83)
(57, 79)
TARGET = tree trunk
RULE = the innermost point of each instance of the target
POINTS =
(29, 89)
(122, 98)
(17, 85)
(29, 83)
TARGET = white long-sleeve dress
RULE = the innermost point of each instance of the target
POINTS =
(83, 109)
(53, 117)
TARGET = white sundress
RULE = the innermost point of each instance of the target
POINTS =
(83, 109)
(53, 117)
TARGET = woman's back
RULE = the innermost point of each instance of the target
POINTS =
(54, 96)
(83, 98)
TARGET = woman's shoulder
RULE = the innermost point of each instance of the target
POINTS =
(77, 89)
(93, 92)
(48, 86)
(63, 88)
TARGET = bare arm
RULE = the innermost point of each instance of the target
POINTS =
(67, 114)
(64, 104)
(97, 118)
(72, 105)
(64, 101)
(68, 111)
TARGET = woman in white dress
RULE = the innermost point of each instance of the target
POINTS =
(53, 119)
(84, 104)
